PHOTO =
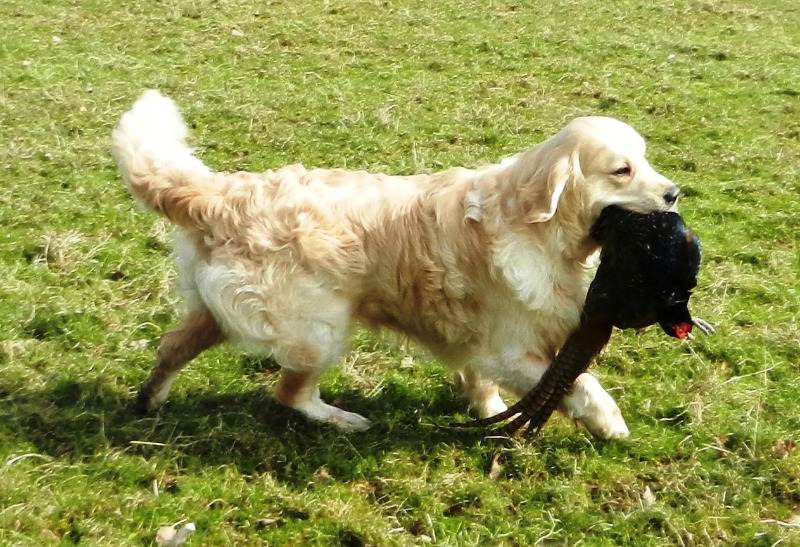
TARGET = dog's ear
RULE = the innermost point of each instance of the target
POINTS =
(545, 187)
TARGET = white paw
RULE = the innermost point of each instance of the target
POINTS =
(489, 407)
(589, 403)
(604, 420)
(614, 428)
(320, 411)
(349, 421)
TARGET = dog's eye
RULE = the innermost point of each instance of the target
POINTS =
(623, 171)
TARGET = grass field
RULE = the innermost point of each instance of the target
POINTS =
(401, 87)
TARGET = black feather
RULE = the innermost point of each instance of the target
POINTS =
(648, 268)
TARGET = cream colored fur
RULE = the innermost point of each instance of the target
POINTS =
(486, 267)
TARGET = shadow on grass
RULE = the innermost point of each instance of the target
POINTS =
(71, 419)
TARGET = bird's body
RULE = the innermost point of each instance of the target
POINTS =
(648, 268)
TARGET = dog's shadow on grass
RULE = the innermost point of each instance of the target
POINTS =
(246, 429)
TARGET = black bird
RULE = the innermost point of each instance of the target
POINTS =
(648, 268)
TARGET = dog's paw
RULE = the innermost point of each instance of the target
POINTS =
(145, 402)
(349, 421)
(320, 411)
(604, 420)
(141, 405)
(613, 427)
(489, 407)
(591, 405)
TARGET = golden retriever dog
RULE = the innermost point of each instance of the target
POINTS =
(486, 267)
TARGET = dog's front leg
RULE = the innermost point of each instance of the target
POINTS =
(586, 402)
(589, 403)
(483, 395)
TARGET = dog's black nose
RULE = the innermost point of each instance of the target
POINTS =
(672, 196)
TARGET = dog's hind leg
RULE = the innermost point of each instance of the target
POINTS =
(197, 331)
(300, 391)
(311, 330)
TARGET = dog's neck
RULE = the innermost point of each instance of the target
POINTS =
(490, 199)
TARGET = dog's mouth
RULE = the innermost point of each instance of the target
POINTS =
(641, 204)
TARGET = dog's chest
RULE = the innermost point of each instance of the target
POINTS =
(541, 281)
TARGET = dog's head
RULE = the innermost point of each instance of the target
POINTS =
(592, 163)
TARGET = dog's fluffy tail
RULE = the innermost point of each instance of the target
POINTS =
(160, 170)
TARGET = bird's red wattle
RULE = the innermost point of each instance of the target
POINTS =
(682, 330)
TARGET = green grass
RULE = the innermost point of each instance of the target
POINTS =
(401, 87)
